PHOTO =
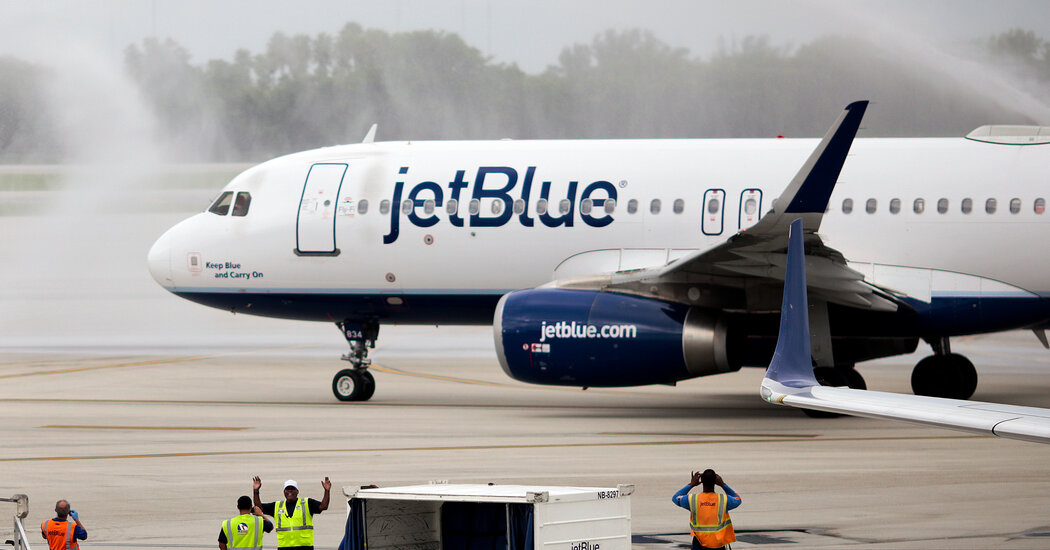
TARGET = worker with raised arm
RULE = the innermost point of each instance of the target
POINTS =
(708, 511)
(59, 532)
(293, 516)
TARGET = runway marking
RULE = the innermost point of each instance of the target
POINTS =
(486, 447)
(148, 363)
(340, 404)
(200, 428)
(391, 370)
(574, 389)
(695, 435)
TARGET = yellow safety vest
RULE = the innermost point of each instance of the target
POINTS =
(244, 531)
(709, 519)
(294, 530)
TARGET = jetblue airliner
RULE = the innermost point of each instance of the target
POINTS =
(632, 262)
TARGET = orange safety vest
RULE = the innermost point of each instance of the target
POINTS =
(60, 534)
(709, 519)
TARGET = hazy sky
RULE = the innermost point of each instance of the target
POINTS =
(528, 32)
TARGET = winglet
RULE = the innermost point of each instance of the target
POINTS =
(810, 190)
(792, 363)
(821, 171)
(790, 381)
(370, 137)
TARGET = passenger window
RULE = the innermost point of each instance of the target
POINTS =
(452, 206)
(750, 205)
(847, 206)
(541, 206)
(919, 206)
(713, 205)
(474, 206)
(654, 206)
(610, 206)
(1040, 206)
(870, 206)
(942, 206)
(679, 206)
(632, 206)
(362, 206)
(241, 204)
(895, 206)
(1015, 206)
(990, 206)
(406, 206)
(384, 207)
(497, 206)
(563, 206)
(586, 205)
(221, 206)
(428, 206)
(967, 205)
(519, 206)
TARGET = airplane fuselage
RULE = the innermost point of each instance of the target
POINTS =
(368, 231)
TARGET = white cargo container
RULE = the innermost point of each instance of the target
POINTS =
(516, 517)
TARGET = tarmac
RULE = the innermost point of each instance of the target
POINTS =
(154, 446)
(151, 415)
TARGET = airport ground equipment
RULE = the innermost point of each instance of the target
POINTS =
(440, 515)
(20, 542)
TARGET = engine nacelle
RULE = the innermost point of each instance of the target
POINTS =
(589, 338)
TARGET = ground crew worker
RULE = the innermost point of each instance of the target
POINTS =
(59, 532)
(293, 517)
(708, 510)
(245, 530)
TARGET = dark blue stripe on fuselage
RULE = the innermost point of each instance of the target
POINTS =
(943, 316)
(412, 309)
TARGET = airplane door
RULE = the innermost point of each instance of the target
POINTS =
(315, 226)
(714, 209)
(750, 208)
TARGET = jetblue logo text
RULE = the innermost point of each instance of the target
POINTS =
(585, 546)
(494, 183)
(563, 329)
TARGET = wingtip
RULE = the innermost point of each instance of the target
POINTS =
(861, 104)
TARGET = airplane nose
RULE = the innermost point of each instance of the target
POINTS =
(159, 260)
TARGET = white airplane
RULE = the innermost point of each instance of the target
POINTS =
(632, 262)
(790, 381)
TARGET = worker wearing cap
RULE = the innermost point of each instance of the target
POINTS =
(59, 532)
(293, 517)
(708, 510)
(245, 530)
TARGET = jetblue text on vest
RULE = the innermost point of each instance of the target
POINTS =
(500, 183)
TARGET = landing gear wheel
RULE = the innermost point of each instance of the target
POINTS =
(827, 376)
(951, 376)
(853, 378)
(369, 385)
(353, 385)
(356, 384)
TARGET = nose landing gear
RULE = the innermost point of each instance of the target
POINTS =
(356, 383)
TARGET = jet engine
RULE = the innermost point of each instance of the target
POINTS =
(591, 338)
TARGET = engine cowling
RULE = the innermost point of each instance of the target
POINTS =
(590, 338)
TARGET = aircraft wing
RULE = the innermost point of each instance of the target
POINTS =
(760, 251)
(790, 381)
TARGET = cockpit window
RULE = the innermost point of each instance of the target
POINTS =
(221, 206)
(241, 204)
